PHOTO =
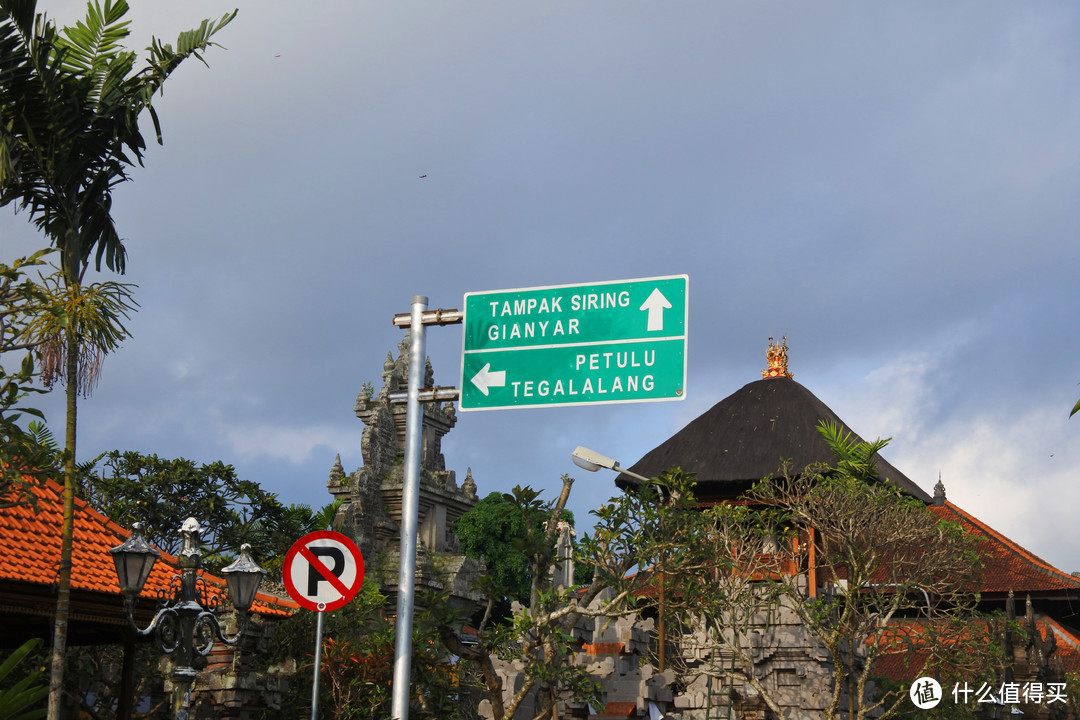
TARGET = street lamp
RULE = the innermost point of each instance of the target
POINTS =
(592, 461)
(185, 623)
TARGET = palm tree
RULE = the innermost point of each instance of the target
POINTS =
(70, 104)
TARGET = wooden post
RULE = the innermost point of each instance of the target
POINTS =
(126, 701)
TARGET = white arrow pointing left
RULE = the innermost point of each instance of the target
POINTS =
(656, 303)
(489, 378)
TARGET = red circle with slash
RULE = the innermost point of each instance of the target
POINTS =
(323, 571)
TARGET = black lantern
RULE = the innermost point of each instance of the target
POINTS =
(243, 577)
(134, 559)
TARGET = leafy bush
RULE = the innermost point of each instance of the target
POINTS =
(23, 699)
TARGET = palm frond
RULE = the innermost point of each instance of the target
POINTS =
(164, 59)
(44, 437)
(94, 40)
(854, 457)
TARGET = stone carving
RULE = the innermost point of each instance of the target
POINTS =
(372, 495)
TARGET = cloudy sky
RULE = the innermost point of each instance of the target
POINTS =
(891, 186)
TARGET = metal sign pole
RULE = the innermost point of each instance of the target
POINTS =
(318, 667)
(414, 422)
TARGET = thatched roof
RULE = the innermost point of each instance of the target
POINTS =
(747, 435)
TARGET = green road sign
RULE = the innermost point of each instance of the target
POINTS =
(610, 342)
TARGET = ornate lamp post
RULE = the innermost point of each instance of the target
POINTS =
(185, 622)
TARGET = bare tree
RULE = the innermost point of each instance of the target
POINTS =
(829, 562)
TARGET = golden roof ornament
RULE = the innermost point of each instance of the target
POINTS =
(776, 357)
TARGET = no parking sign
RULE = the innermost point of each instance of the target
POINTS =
(323, 571)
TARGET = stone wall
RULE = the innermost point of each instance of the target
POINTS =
(229, 687)
(700, 680)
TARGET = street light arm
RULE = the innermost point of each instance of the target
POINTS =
(163, 617)
(641, 478)
(210, 621)
(166, 623)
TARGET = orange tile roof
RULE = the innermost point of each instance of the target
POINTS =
(905, 659)
(1005, 564)
(30, 538)
(1067, 643)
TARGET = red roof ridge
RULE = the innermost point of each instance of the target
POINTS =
(1061, 632)
(1011, 545)
(97, 530)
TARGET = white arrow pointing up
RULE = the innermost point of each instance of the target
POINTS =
(489, 378)
(655, 304)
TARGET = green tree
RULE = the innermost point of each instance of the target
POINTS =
(161, 492)
(70, 104)
(325, 518)
(494, 531)
(538, 630)
(23, 460)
